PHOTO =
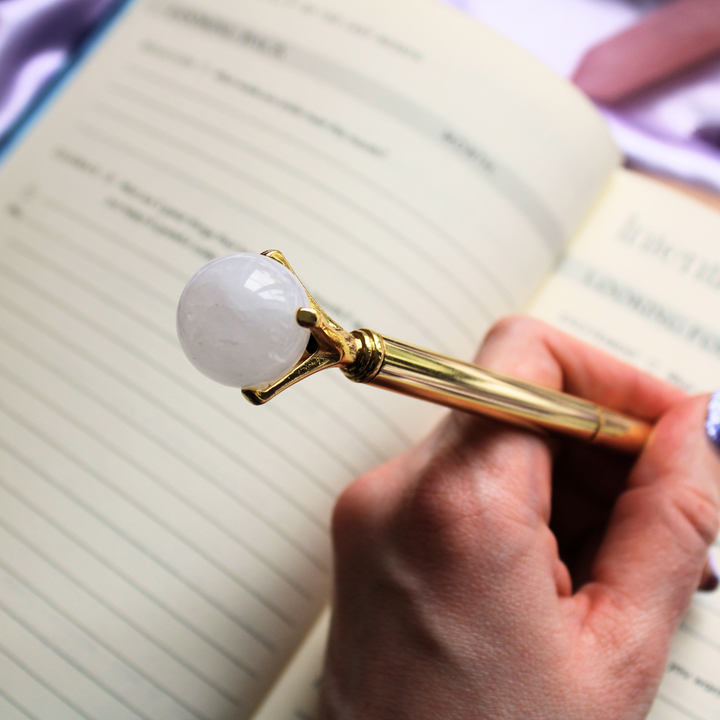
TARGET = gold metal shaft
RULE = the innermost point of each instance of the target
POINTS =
(367, 357)
(463, 386)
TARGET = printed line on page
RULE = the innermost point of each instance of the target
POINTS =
(407, 112)
(240, 460)
(142, 73)
(110, 140)
(119, 451)
(57, 693)
(124, 617)
(183, 622)
(138, 545)
(434, 260)
(131, 666)
(309, 398)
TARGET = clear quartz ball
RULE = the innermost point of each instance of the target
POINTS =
(236, 320)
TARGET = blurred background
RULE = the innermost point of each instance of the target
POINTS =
(652, 66)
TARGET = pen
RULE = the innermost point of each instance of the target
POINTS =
(247, 320)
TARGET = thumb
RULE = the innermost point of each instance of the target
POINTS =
(655, 548)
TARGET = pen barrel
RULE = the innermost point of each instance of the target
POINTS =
(417, 372)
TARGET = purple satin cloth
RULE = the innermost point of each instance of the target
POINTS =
(37, 37)
(675, 131)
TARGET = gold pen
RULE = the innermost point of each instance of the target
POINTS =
(365, 356)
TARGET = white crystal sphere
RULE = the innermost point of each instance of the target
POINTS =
(236, 320)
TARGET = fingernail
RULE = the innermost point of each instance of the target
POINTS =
(709, 578)
(712, 423)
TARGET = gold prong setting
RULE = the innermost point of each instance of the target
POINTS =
(329, 346)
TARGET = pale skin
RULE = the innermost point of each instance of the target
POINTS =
(493, 573)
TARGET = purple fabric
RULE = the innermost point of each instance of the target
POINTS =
(671, 130)
(36, 39)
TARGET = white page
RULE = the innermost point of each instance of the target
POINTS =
(643, 282)
(296, 694)
(164, 544)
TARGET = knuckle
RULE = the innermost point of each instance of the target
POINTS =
(438, 506)
(449, 516)
(699, 510)
(512, 325)
(352, 513)
(519, 346)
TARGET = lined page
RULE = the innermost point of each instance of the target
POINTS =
(643, 282)
(163, 544)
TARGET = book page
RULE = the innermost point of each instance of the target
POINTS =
(163, 544)
(296, 694)
(643, 283)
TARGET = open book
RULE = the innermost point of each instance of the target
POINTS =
(163, 544)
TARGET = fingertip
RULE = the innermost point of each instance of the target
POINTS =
(708, 579)
(686, 441)
(655, 550)
(531, 350)
(712, 419)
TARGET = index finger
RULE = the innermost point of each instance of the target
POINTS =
(534, 351)
(539, 353)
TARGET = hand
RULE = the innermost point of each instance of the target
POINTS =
(462, 592)
(678, 36)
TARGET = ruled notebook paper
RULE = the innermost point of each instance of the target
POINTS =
(163, 544)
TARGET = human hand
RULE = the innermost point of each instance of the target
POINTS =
(459, 594)
(676, 37)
